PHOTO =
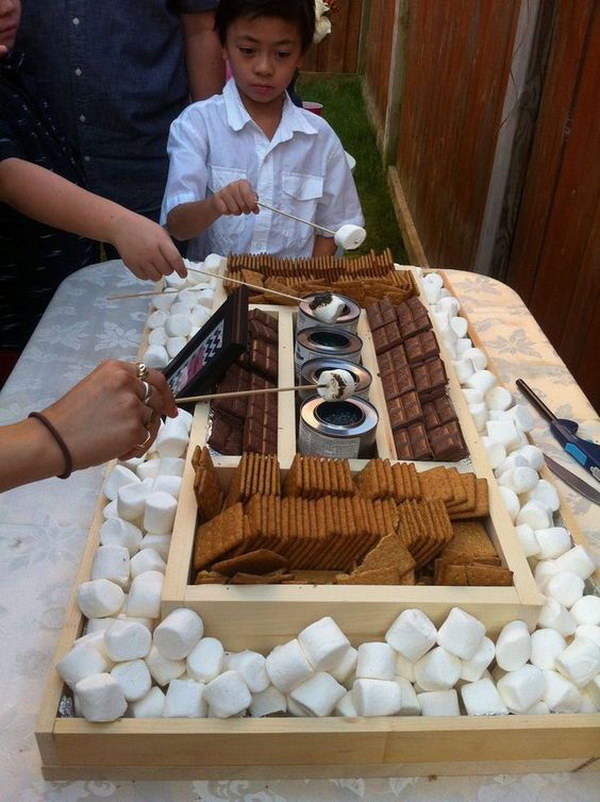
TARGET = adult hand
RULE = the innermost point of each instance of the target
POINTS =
(236, 198)
(145, 247)
(105, 415)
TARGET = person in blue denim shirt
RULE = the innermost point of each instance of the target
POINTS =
(115, 75)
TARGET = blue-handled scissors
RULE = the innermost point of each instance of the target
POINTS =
(585, 452)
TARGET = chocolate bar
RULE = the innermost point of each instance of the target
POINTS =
(394, 384)
(386, 337)
(430, 379)
(226, 434)
(438, 411)
(421, 347)
(404, 409)
(447, 442)
(392, 360)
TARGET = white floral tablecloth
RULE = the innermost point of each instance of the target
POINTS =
(43, 530)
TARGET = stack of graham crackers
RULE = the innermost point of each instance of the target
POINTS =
(365, 279)
(388, 525)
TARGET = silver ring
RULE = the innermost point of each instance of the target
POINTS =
(147, 391)
(141, 371)
(142, 446)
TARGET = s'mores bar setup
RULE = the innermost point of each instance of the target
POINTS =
(346, 557)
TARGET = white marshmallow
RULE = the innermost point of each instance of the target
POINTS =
(111, 562)
(199, 315)
(561, 695)
(174, 345)
(546, 645)
(432, 285)
(171, 466)
(148, 470)
(100, 698)
(544, 571)
(460, 634)
(404, 668)
(162, 669)
(227, 695)
(81, 661)
(479, 413)
(412, 634)
(495, 451)
(145, 595)
(157, 319)
(538, 709)
(336, 385)
(296, 709)
(472, 396)
(326, 307)
(172, 439)
(513, 460)
(117, 532)
(346, 666)
(464, 369)
(324, 644)
(498, 398)
(439, 703)
(511, 502)
(504, 431)
(99, 598)
(522, 688)
(464, 347)
(448, 304)
(178, 633)
(288, 665)
(459, 326)
(537, 516)
(98, 624)
(150, 706)
(182, 305)
(588, 704)
(159, 513)
(473, 669)
(206, 298)
(482, 380)
(184, 699)
(158, 336)
(376, 661)
(156, 356)
(590, 631)
(586, 610)
(350, 236)
(319, 694)
(545, 493)
(533, 455)
(127, 640)
(376, 697)
(521, 480)
(164, 301)
(593, 689)
(345, 706)
(521, 417)
(580, 661)
(553, 540)
(437, 670)
(528, 540)
(252, 667)
(131, 501)
(513, 646)
(158, 543)
(205, 661)
(566, 587)
(554, 616)
(214, 263)
(147, 560)
(266, 702)
(134, 679)
(178, 325)
(577, 560)
(117, 478)
(481, 698)
(167, 484)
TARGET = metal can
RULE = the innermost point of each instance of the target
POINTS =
(348, 320)
(324, 341)
(339, 429)
(312, 369)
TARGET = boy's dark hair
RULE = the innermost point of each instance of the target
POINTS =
(300, 12)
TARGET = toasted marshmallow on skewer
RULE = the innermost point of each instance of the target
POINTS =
(327, 307)
(336, 385)
(350, 236)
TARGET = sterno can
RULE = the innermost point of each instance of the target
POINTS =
(348, 320)
(325, 341)
(312, 369)
(339, 429)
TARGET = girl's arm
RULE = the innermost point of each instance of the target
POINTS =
(36, 192)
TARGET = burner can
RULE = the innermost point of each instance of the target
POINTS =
(348, 320)
(339, 429)
(326, 341)
(312, 369)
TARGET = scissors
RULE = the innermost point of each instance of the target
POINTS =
(585, 452)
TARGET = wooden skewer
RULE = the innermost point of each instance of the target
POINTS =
(194, 398)
(293, 217)
(264, 290)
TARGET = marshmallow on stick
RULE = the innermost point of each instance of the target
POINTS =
(350, 237)
(327, 307)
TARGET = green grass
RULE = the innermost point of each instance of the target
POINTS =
(344, 110)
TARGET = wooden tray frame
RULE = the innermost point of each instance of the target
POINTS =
(259, 617)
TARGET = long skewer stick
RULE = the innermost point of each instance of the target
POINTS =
(212, 275)
(194, 398)
(293, 217)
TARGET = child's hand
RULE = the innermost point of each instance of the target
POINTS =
(236, 198)
(145, 247)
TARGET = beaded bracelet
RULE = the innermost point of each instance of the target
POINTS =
(60, 442)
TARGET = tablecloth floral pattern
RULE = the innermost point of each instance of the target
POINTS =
(43, 530)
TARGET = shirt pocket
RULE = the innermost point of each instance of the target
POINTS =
(226, 230)
(301, 194)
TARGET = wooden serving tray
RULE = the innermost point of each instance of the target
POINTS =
(259, 617)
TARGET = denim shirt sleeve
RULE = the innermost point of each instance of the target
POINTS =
(193, 6)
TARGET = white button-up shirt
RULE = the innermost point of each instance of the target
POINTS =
(302, 170)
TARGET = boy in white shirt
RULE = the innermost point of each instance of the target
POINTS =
(251, 143)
